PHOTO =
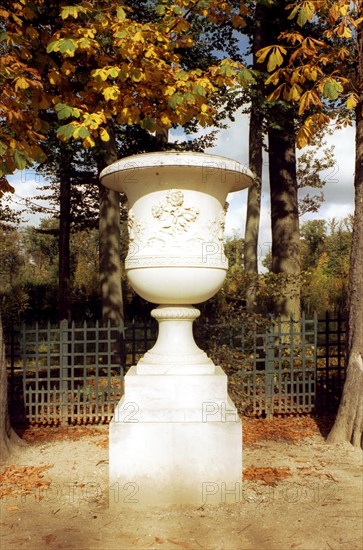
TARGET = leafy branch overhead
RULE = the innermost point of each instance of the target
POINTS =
(100, 62)
(314, 72)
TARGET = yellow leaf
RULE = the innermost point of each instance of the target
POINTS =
(104, 135)
(333, 13)
(303, 136)
(310, 72)
(137, 75)
(344, 31)
(72, 11)
(169, 90)
(138, 37)
(352, 101)
(276, 93)
(93, 121)
(263, 53)
(111, 93)
(102, 74)
(165, 120)
(275, 59)
(120, 13)
(21, 83)
(294, 93)
(88, 142)
(273, 78)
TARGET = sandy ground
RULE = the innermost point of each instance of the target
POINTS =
(300, 494)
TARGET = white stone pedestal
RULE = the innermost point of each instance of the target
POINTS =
(175, 439)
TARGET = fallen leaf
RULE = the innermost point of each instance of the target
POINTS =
(268, 475)
(179, 543)
(49, 538)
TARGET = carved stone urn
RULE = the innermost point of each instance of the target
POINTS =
(175, 436)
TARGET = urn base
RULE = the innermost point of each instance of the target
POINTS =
(175, 439)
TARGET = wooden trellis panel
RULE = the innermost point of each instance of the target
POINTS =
(72, 374)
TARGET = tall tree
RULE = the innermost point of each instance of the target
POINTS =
(284, 210)
(333, 67)
(277, 120)
(8, 267)
(9, 440)
(348, 425)
(255, 142)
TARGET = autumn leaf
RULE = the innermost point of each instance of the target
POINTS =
(120, 13)
(104, 135)
(80, 132)
(306, 12)
(21, 83)
(275, 58)
(65, 132)
(49, 538)
(332, 88)
(20, 160)
(72, 11)
(148, 124)
(88, 142)
(111, 93)
(63, 111)
(352, 101)
(165, 120)
(303, 136)
(5, 186)
(55, 77)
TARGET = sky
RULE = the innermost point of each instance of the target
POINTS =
(233, 143)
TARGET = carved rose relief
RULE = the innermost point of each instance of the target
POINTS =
(216, 228)
(136, 228)
(174, 217)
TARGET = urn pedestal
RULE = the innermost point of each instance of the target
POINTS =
(175, 436)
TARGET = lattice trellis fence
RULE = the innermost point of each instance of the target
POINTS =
(71, 374)
(74, 374)
(271, 370)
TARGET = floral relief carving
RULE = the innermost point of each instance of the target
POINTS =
(136, 228)
(174, 216)
(216, 227)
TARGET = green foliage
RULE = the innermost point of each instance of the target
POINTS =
(13, 297)
(325, 260)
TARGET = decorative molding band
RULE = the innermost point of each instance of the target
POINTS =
(151, 358)
(177, 261)
(175, 312)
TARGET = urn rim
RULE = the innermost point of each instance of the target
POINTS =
(178, 159)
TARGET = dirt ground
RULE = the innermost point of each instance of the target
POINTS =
(297, 493)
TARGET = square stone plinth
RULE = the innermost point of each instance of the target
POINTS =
(175, 439)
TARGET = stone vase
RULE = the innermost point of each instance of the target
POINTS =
(175, 436)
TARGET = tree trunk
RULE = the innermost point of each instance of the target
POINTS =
(9, 440)
(284, 212)
(109, 240)
(348, 424)
(255, 164)
(64, 247)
